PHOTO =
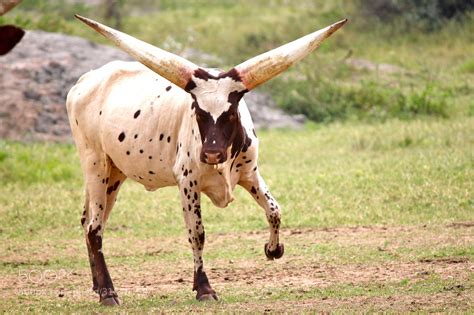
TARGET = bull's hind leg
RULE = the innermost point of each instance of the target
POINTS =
(190, 200)
(256, 186)
(113, 182)
(85, 222)
(102, 184)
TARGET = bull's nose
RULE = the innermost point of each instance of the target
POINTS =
(212, 158)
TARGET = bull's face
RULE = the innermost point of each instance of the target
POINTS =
(216, 96)
(215, 103)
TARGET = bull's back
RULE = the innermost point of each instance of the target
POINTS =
(131, 114)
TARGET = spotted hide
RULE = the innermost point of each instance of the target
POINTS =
(164, 121)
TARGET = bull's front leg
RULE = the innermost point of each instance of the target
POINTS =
(256, 186)
(190, 199)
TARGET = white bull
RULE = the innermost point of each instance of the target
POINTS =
(175, 125)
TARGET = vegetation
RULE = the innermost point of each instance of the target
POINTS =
(408, 182)
(428, 15)
(404, 183)
(376, 68)
(377, 204)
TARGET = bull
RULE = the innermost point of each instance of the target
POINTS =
(164, 121)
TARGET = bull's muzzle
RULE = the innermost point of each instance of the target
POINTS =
(213, 156)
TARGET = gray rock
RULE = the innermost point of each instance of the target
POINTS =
(266, 114)
(37, 74)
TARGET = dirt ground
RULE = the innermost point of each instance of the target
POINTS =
(297, 275)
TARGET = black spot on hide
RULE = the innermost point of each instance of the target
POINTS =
(121, 136)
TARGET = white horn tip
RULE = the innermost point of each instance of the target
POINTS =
(336, 26)
(87, 21)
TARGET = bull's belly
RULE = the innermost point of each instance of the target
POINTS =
(148, 165)
(152, 176)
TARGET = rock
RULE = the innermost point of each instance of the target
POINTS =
(35, 78)
(265, 113)
(37, 74)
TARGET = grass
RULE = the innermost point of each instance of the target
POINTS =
(356, 174)
(377, 204)
(259, 301)
(401, 175)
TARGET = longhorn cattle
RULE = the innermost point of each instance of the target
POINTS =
(176, 125)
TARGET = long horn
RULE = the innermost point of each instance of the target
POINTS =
(7, 5)
(262, 68)
(174, 68)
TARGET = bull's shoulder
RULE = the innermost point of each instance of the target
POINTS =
(97, 84)
(113, 70)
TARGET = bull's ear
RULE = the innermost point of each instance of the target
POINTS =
(174, 68)
(9, 36)
(262, 68)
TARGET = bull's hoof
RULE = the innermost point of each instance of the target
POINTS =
(207, 297)
(274, 254)
(110, 299)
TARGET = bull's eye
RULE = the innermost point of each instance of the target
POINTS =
(232, 116)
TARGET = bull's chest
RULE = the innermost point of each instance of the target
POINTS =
(219, 186)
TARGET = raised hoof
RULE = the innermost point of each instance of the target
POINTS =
(274, 254)
(207, 297)
(111, 301)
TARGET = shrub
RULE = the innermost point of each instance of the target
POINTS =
(325, 100)
(428, 14)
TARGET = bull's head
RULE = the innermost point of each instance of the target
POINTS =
(216, 95)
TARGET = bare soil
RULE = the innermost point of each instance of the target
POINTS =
(298, 275)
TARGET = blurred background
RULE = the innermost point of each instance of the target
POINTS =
(395, 58)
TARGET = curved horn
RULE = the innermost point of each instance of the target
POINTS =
(7, 5)
(262, 68)
(173, 68)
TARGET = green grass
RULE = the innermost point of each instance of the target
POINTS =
(394, 173)
(400, 173)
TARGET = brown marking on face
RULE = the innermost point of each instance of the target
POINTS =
(226, 130)
(204, 75)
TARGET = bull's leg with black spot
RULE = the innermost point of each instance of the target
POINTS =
(113, 182)
(190, 200)
(98, 174)
(256, 186)
(85, 223)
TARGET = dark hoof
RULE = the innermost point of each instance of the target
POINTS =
(274, 254)
(207, 297)
(110, 298)
(111, 301)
